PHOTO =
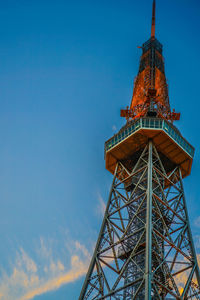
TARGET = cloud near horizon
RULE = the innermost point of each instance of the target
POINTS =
(182, 278)
(28, 279)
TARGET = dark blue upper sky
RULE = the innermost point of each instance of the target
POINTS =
(66, 70)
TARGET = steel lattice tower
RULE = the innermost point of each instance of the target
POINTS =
(145, 246)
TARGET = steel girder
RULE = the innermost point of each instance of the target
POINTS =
(145, 248)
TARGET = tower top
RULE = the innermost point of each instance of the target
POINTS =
(153, 20)
(150, 91)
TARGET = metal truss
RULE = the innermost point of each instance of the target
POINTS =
(145, 248)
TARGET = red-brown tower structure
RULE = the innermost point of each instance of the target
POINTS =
(145, 248)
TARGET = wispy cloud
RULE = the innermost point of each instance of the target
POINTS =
(101, 207)
(28, 279)
(77, 269)
(197, 222)
(114, 128)
(197, 241)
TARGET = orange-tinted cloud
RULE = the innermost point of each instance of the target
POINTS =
(78, 269)
(182, 278)
(29, 279)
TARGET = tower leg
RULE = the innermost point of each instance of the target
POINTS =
(148, 256)
(93, 260)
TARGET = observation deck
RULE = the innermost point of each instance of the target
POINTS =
(128, 143)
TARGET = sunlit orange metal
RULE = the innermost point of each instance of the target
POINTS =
(150, 91)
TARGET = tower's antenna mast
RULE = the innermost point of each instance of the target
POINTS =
(153, 20)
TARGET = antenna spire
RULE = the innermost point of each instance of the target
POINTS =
(153, 19)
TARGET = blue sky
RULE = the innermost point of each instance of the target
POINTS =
(66, 70)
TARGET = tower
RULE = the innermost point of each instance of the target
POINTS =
(145, 246)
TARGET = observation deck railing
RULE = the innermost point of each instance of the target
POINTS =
(154, 124)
